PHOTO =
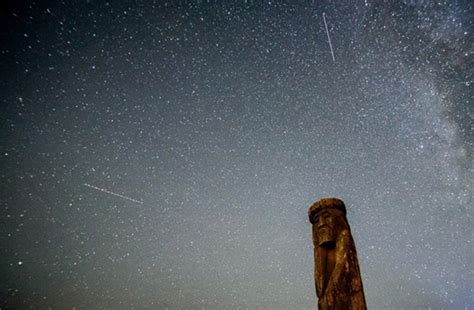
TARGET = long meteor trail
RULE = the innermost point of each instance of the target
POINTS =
(329, 38)
(113, 194)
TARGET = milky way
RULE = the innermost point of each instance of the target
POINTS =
(211, 127)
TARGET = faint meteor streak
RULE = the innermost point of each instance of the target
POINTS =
(113, 194)
(329, 38)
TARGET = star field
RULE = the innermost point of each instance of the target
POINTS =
(163, 155)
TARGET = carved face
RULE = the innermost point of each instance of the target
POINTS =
(326, 222)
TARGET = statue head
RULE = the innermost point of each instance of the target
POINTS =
(328, 216)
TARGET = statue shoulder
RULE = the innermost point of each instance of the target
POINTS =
(344, 235)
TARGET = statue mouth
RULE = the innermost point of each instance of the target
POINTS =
(328, 244)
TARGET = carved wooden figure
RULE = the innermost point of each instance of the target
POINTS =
(336, 275)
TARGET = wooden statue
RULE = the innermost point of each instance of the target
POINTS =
(336, 274)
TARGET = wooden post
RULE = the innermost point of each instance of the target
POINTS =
(336, 268)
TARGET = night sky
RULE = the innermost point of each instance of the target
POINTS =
(162, 155)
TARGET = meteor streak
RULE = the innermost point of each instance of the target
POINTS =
(113, 194)
(329, 38)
